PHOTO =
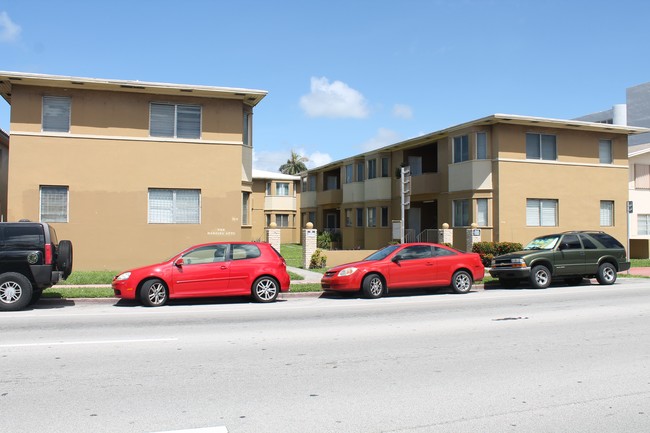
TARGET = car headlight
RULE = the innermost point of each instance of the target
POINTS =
(493, 263)
(123, 276)
(347, 271)
(519, 263)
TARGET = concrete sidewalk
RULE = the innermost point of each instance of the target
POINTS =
(309, 276)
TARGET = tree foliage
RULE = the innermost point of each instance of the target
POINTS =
(295, 164)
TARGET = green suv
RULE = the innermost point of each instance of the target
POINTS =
(571, 256)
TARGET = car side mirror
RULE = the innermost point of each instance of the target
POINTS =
(395, 259)
(179, 262)
(564, 246)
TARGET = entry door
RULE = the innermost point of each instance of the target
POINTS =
(331, 221)
(414, 220)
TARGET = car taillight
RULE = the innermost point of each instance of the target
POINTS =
(48, 254)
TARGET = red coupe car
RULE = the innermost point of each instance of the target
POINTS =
(405, 266)
(216, 269)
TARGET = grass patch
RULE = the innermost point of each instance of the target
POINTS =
(307, 287)
(640, 263)
(78, 292)
(78, 278)
(292, 253)
(295, 277)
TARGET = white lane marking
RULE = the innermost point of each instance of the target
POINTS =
(72, 343)
(220, 429)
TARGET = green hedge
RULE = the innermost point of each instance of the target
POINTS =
(489, 250)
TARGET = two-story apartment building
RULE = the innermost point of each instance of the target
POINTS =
(639, 185)
(276, 201)
(515, 177)
(130, 171)
(4, 172)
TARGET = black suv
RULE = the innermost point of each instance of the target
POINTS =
(31, 260)
(571, 256)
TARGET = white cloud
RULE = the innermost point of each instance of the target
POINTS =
(9, 31)
(272, 160)
(384, 137)
(402, 111)
(335, 99)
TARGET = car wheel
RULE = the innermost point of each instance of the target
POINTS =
(606, 274)
(265, 289)
(15, 291)
(573, 281)
(373, 286)
(540, 278)
(154, 293)
(461, 282)
(64, 258)
(509, 283)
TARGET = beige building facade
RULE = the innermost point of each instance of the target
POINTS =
(515, 177)
(4, 173)
(130, 171)
(276, 201)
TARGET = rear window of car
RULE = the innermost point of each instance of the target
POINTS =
(245, 251)
(607, 240)
(24, 236)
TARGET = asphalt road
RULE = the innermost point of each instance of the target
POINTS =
(564, 359)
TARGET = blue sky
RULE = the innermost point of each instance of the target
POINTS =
(347, 76)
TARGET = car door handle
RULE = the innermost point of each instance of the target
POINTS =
(224, 267)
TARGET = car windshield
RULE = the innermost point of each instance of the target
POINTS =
(542, 243)
(381, 254)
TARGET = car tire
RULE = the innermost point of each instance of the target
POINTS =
(573, 281)
(509, 283)
(373, 286)
(265, 289)
(154, 293)
(15, 291)
(64, 258)
(540, 277)
(606, 274)
(461, 282)
(36, 296)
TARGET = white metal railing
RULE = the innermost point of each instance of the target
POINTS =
(428, 235)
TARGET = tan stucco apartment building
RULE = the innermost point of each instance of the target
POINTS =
(130, 171)
(275, 203)
(515, 177)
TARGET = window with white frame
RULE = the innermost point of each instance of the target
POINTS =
(245, 209)
(606, 213)
(643, 224)
(175, 120)
(282, 188)
(56, 114)
(372, 168)
(385, 167)
(461, 213)
(605, 151)
(482, 212)
(461, 148)
(541, 146)
(349, 173)
(175, 206)
(372, 217)
(481, 145)
(348, 217)
(54, 204)
(282, 220)
(541, 212)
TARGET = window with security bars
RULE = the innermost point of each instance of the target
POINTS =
(541, 213)
(175, 120)
(174, 206)
(54, 204)
(56, 114)
(606, 213)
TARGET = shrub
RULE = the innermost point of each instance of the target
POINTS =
(318, 260)
(324, 241)
(489, 250)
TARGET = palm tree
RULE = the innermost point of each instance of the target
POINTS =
(295, 164)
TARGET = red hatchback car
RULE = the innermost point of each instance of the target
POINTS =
(406, 266)
(216, 269)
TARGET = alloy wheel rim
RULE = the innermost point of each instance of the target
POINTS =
(608, 274)
(157, 293)
(10, 292)
(266, 289)
(462, 282)
(375, 287)
(541, 277)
